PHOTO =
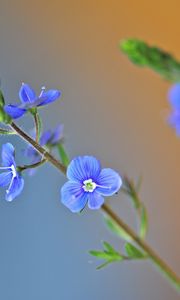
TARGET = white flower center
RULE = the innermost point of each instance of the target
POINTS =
(89, 185)
(13, 170)
(14, 174)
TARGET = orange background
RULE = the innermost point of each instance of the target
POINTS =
(110, 109)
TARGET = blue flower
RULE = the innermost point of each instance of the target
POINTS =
(88, 184)
(10, 176)
(29, 100)
(174, 99)
(48, 138)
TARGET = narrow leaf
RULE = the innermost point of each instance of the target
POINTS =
(133, 252)
(143, 222)
(63, 155)
(130, 189)
(116, 229)
(108, 247)
(104, 265)
(101, 254)
(6, 131)
(2, 101)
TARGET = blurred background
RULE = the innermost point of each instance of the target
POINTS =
(110, 109)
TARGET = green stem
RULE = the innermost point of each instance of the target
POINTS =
(37, 127)
(32, 166)
(158, 262)
(164, 268)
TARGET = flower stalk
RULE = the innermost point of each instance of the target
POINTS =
(32, 166)
(155, 258)
(44, 153)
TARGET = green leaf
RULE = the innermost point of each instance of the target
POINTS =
(104, 265)
(6, 131)
(2, 101)
(130, 189)
(116, 229)
(160, 61)
(143, 222)
(108, 247)
(101, 254)
(134, 252)
(109, 255)
(63, 155)
(4, 118)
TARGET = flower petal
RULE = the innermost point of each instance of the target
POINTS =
(174, 96)
(109, 182)
(26, 94)
(45, 137)
(174, 121)
(30, 152)
(15, 189)
(57, 134)
(73, 196)
(7, 155)
(48, 97)
(5, 178)
(83, 167)
(14, 111)
(95, 200)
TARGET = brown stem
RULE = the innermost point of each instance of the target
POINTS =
(45, 154)
(158, 262)
(165, 269)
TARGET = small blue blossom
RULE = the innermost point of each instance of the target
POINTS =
(10, 176)
(88, 183)
(174, 99)
(48, 138)
(29, 100)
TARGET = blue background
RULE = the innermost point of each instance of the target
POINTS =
(111, 110)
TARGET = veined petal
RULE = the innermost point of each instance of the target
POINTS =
(174, 96)
(48, 97)
(73, 196)
(108, 182)
(57, 134)
(7, 155)
(14, 111)
(5, 178)
(26, 94)
(95, 200)
(15, 188)
(83, 167)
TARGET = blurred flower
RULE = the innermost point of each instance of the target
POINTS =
(174, 99)
(10, 176)
(88, 184)
(29, 100)
(48, 138)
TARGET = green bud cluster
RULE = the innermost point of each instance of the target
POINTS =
(143, 55)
